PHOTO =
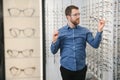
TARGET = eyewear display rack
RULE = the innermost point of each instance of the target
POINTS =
(23, 39)
(103, 63)
(116, 37)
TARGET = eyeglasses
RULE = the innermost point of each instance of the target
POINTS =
(94, 18)
(27, 71)
(107, 31)
(105, 44)
(75, 15)
(15, 53)
(16, 12)
(106, 40)
(28, 32)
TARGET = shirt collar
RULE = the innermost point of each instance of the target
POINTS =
(68, 27)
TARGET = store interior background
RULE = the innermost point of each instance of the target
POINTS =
(104, 62)
(26, 28)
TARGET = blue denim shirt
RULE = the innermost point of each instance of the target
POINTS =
(72, 45)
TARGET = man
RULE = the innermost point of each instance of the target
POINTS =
(71, 40)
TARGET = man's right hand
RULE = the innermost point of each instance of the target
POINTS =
(55, 36)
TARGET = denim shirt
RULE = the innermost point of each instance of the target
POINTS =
(72, 45)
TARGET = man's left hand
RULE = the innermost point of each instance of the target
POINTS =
(101, 24)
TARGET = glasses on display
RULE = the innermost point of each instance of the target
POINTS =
(105, 44)
(107, 14)
(106, 40)
(105, 3)
(106, 49)
(15, 53)
(28, 32)
(107, 31)
(106, 60)
(15, 71)
(107, 66)
(28, 12)
(97, 18)
(94, 18)
(106, 35)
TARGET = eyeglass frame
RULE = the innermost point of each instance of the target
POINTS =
(21, 11)
(22, 51)
(19, 69)
(22, 30)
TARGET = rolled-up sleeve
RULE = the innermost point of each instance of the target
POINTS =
(94, 42)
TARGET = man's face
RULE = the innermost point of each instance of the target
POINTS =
(75, 16)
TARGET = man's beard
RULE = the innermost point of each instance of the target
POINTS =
(76, 22)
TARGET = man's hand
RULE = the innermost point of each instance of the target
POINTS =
(101, 24)
(55, 36)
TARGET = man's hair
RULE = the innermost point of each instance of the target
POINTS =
(68, 10)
